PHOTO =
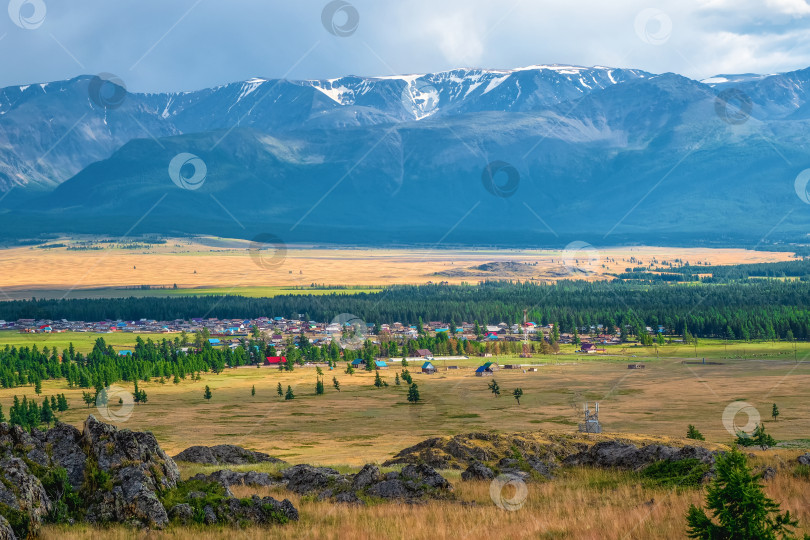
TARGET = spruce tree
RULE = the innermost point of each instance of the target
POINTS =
(280, 390)
(336, 383)
(289, 395)
(207, 394)
(413, 393)
(737, 505)
(693, 433)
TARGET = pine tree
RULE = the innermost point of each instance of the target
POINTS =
(396, 379)
(517, 393)
(336, 383)
(774, 411)
(319, 387)
(413, 393)
(46, 413)
(207, 394)
(377, 380)
(289, 395)
(61, 403)
(88, 398)
(349, 369)
(38, 386)
(176, 380)
(253, 390)
(738, 506)
(494, 388)
(693, 433)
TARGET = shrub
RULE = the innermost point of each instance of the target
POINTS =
(682, 473)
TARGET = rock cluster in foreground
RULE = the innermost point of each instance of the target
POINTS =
(224, 454)
(414, 483)
(102, 475)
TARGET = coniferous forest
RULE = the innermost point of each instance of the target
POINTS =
(745, 309)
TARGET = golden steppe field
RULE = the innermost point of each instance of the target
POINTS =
(214, 265)
(362, 424)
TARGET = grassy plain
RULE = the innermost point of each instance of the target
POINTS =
(362, 424)
(207, 265)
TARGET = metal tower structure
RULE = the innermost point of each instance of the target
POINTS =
(527, 351)
(591, 424)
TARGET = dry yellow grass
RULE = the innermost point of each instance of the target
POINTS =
(362, 423)
(189, 264)
(579, 504)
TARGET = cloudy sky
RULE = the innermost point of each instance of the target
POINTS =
(162, 45)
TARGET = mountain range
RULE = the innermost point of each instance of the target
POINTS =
(532, 156)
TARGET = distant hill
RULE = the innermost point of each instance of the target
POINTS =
(537, 156)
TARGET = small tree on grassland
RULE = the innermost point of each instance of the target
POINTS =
(289, 395)
(280, 390)
(336, 383)
(693, 433)
(319, 387)
(253, 390)
(207, 394)
(517, 393)
(758, 438)
(738, 506)
(774, 411)
(413, 393)
(494, 388)
(377, 380)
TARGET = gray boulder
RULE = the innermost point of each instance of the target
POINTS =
(478, 471)
(804, 459)
(233, 478)
(768, 474)
(615, 454)
(224, 454)
(304, 479)
(256, 510)
(182, 513)
(368, 475)
(390, 489)
(426, 476)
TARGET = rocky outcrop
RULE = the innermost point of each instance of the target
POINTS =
(21, 490)
(256, 510)
(6, 533)
(804, 459)
(121, 476)
(615, 454)
(478, 471)
(224, 454)
(304, 479)
(234, 478)
(136, 468)
(414, 482)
